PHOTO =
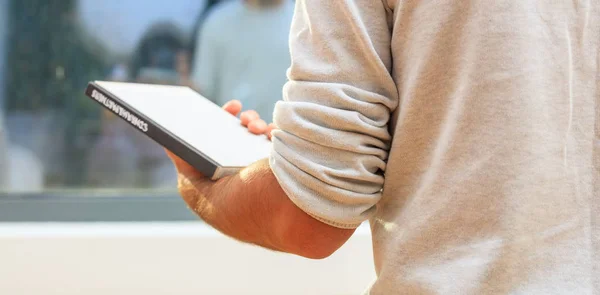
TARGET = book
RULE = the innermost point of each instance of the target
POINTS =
(186, 123)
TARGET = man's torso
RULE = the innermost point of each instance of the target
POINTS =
(489, 182)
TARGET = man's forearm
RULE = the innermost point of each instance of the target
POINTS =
(251, 206)
(237, 205)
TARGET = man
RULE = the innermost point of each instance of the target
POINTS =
(479, 116)
(244, 53)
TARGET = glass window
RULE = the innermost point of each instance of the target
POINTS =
(57, 144)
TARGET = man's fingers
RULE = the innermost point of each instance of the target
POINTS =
(257, 126)
(249, 116)
(233, 107)
(270, 128)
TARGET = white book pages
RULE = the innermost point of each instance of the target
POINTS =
(192, 119)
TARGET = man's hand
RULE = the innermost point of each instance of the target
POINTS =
(188, 174)
(251, 206)
(250, 119)
(190, 180)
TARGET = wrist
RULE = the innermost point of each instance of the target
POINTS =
(196, 193)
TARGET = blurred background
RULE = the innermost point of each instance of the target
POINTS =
(51, 49)
(87, 203)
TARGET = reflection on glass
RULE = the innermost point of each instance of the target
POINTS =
(52, 136)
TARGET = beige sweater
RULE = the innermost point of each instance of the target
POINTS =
(462, 130)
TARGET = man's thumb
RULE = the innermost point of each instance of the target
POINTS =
(182, 166)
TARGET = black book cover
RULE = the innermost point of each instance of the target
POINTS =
(139, 121)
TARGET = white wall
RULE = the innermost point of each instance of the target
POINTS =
(167, 258)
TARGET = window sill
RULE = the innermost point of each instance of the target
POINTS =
(94, 206)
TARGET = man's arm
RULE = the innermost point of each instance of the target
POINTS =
(251, 207)
(324, 176)
(330, 151)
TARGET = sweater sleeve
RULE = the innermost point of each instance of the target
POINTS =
(329, 154)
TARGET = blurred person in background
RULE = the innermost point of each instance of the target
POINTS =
(158, 55)
(123, 157)
(113, 159)
(243, 53)
(161, 58)
(209, 6)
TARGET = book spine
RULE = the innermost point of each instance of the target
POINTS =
(151, 129)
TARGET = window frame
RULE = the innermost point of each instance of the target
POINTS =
(82, 205)
(3, 50)
(94, 206)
